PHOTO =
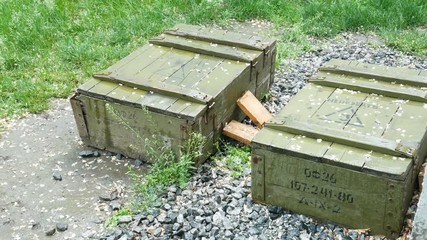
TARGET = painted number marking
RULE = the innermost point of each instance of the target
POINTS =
(320, 205)
(322, 191)
(322, 175)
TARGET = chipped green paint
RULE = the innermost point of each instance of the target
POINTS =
(343, 152)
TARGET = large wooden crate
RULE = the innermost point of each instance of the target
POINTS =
(347, 148)
(188, 78)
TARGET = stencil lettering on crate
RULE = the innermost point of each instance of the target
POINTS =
(320, 188)
(315, 203)
(347, 113)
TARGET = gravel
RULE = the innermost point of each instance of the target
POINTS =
(216, 205)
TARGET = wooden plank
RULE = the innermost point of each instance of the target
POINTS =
(372, 117)
(165, 66)
(120, 93)
(342, 137)
(394, 167)
(338, 109)
(79, 117)
(218, 50)
(103, 88)
(178, 106)
(218, 36)
(221, 77)
(303, 105)
(162, 88)
(134, 56)
(408, 123)
(139, 63)
(251, 106)
(364, 85)
(258, 175)
(240, 132)
(88, 85)
(390, 74)
(192, 73)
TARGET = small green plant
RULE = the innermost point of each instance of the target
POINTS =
(167, 169)
(235, 158)
(113, 220)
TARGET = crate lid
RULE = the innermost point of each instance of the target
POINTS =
(180, 72)
(360, 116)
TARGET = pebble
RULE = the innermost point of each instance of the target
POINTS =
(115, 205)
(61, 227)
(138, 163)
(50, 231)
(87, 153)
(124, 219)
(57, 176)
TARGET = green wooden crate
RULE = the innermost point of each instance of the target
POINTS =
(189, 79)
(347, 148)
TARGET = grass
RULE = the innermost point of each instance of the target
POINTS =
(48, 47)
(235, 158)
(167, 168)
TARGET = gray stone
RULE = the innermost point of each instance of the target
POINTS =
(138, 163)
(115, 205)
(86, 154)
(124, 219)
(57, 176)
(158, 232)
(217, 219)
(228, 233)
(50, 231)
(96, 154)
(180, 219)
(61, 227)
(253, 231)
(176, 226)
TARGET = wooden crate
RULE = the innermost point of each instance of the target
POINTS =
(188, 78)
(347, 148)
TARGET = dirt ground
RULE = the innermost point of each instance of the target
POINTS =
(32, 202)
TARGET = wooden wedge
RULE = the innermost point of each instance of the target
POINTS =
(254, 109)
(240, 132)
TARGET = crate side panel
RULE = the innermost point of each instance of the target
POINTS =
(107, 130)
(328, 192)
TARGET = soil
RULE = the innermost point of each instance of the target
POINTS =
(32, 203)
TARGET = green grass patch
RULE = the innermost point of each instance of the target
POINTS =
(112, 221)
(167, 168)
(235, 158)
(414, 40)
(48, 47)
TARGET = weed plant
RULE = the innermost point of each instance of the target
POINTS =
(235, 158)
(167, 169)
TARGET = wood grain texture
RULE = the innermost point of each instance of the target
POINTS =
(240, 132)
(253, 108)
